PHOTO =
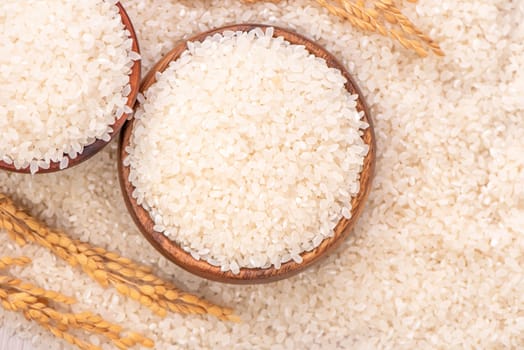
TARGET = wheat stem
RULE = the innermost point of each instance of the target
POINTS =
(130, 279)
(42, 306)
(383, 17)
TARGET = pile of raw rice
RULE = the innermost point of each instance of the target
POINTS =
(246, 150)
(437, 258)
(64, 80)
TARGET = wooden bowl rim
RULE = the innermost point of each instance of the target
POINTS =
(173, 252)
(92, 149)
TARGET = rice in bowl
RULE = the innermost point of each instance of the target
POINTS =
(64, 81)
(247, 150)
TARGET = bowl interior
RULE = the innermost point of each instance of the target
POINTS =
(175, 253)
(98, 145)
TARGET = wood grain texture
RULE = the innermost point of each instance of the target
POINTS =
(90, 150)
(10, 342)
(172, 250)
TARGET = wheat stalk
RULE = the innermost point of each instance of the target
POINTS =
(394, 16)
(130, 279)
(7, 261)
(42, 306)
(383, 17)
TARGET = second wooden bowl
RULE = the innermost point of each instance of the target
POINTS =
(90, 150)
(174, 252)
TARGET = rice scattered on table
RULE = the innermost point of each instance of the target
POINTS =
(437, 258)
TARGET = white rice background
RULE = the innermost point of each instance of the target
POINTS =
(437, 258)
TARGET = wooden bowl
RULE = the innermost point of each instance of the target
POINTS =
(175, 253)
(98, 145)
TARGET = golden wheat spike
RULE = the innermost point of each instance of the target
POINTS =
(377, 18)
(130, 279)
(42, 306)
